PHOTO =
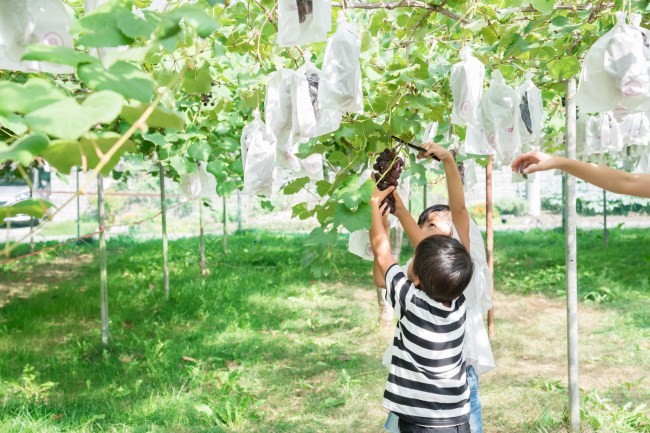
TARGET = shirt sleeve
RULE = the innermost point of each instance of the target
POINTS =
(397, 286)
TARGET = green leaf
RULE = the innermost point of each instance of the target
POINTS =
(68, 120)
(319, 238)
(157, 139)
(33, 207)
(24, 150)
(322, 186)
(58, 55)
(566, 67)
(100, 28)
(124, 78)
(134, 26)
(301, 211)
(295, 185)
(353, 220)
(544, 6)
(266, 204)
(198, 80)
(160, 118)
(65, 154)
(199, 150)
(24, 98)
(13, 123)
(354, 194)
(217, 168)
(196, 17)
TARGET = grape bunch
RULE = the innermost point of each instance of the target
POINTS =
(206, 99)
(387, 173)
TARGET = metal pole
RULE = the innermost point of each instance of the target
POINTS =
(204, 268)
(489, 234)
(605, 231)
(424, 195)
(225, 231)
(103, 276)
(239, 225)
(78, 207)
(165, 246)
(571, 261)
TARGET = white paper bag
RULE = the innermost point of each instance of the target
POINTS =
(302, 22)
(531, 117)
(466, 84)
(258, 147)
(500, 119)
(27, 22)
(340, 85)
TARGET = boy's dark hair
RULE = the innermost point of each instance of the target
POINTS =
(443, 266)
(424, 216)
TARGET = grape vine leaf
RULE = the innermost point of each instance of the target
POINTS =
(24, 150)
(160, 118)
(69, 120)
(353, 220)
(24, 98)
(65, 154)
(352, 193)
(122, 77)
(295, 185)
(198, 80)
(301, 211)
(58, 55)
(100, 28)
(195, 16)
(544, 6)
(33, 207)
(134, 26)
(13, 123)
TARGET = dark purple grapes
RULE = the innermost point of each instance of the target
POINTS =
(388, 160)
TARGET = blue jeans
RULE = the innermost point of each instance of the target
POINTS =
(475, 415)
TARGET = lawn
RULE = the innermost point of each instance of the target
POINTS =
(260, 346)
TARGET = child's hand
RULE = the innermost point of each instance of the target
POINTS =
(379, 196)
(399, 204)
(385, 211)
(532, 162)
(435, 149)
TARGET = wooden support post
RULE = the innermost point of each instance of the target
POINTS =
(571, 262)
(103, 275)
(225, 230)
(165, 245)
(489, 234)
(204, 268)
(32, 185)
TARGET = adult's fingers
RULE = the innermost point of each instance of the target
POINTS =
(524, 159)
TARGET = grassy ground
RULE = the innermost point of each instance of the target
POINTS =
(258, 346)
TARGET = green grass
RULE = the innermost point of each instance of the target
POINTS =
(258, 345)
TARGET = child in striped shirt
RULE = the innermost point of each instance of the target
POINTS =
(427, 385)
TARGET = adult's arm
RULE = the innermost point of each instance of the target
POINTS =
(617, 181)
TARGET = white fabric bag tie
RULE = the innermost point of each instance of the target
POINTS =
(302, 22)
(340, 85)
(500, 119)
(466, 84)
(258, 148)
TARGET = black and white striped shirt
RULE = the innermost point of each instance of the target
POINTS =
(426, 382)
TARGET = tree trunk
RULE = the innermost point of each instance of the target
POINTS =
(239, 216)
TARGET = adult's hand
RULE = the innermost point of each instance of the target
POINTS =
(532, 162)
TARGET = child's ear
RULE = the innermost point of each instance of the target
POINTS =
(416, 282)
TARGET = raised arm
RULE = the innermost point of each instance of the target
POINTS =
(459, 214)
(410, 226)
(604, 177)
(379, 239)
(377, 276)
